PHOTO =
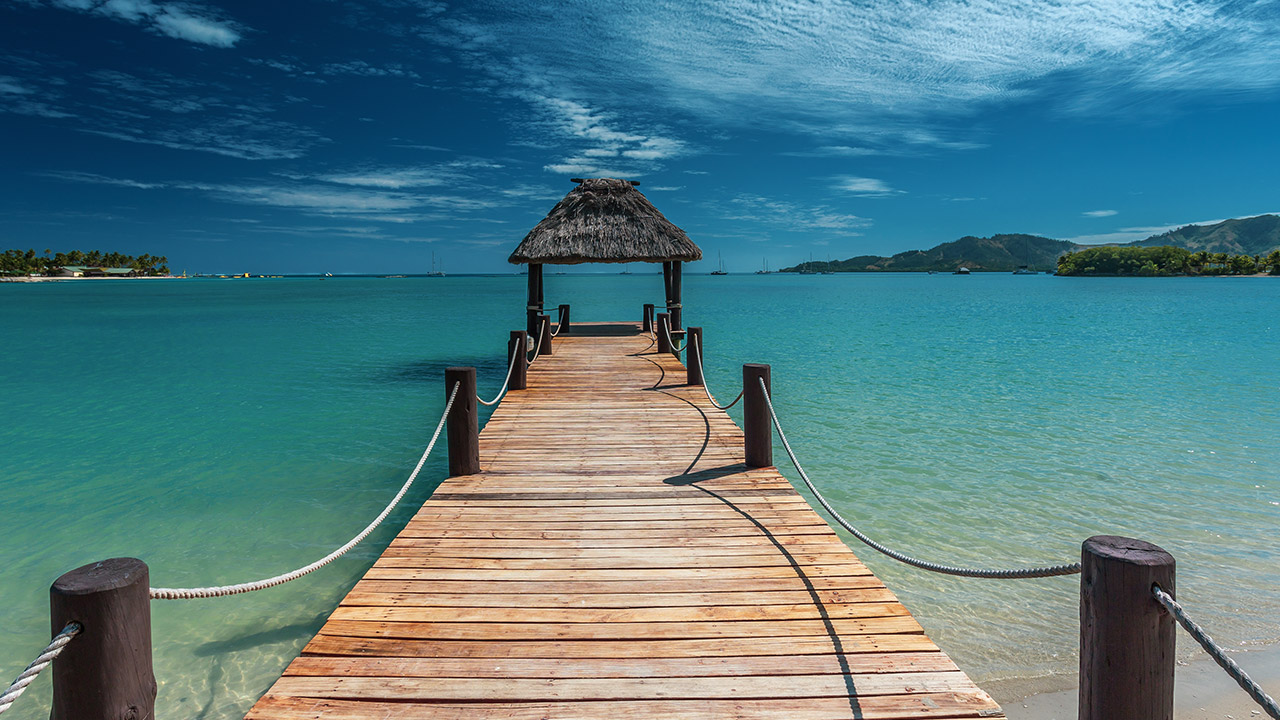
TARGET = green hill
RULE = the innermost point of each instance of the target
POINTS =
(1241, 236)
(1258, 235)
(1003, 253)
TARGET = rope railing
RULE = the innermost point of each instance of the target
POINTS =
(1003, 574)
(1237, 673)
(515, 356)
(559, 321)
(667, 329)
(223, 590)
(697, 352)
(537, 348)
(42, 661)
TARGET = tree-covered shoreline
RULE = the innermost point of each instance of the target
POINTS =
(1163, 261)
(29, 262)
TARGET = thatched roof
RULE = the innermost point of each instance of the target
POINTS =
(604, 220)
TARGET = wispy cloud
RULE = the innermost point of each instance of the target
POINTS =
(871, 77)
(183, 21)
(1099, 213)
(602, 142)
(864, 187)
(758, 209)
(96, 179)
(1130, 234)
(19, 98)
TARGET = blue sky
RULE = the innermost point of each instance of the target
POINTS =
(361, 136)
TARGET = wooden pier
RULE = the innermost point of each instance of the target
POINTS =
(615, 558)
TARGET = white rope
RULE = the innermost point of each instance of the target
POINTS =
(510, 368)
(537, 348)
(559, 323)
(667, 330)
(1003, 574)
(42, 661)
(1237, 673)
(221, 590)
(697, 352)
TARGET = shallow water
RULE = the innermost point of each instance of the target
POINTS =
(228, 430)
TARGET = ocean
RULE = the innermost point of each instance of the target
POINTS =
(226, 430)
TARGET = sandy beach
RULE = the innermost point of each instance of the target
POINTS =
(1203, 691)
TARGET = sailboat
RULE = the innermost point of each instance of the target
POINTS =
(828, 270)
(1026, 257)
(764, 267)
(721, 270)
(626, 269)
(435, 272)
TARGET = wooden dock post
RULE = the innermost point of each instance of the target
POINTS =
(565, 326)
(663, 332)
(105, 672)
(647, 321)
(463, 425)
(757, 427)
(518, 348)
(693, 359)
(544, 346)
(1127, 638)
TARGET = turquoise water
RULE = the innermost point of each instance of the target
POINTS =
(228, 430)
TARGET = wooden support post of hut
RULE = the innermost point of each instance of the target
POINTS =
(604, 220)
(533, 308)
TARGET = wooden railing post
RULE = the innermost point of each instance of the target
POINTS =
(663, 332)
(1127, 639)
(517, 347)
(647, 320)
(693, 358)
(463, 425)
(105, 671)
(757, 428)
(565, 325)
(545, 347)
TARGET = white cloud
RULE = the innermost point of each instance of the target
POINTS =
(864, 187)
(391, 179)
(183, 21)
(1099, 213)
(875, 75)
(759, 209)
(1130, 234)
(605, 140)
(96, 179)
(178, 23)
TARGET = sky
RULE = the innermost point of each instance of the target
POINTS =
(368, 135)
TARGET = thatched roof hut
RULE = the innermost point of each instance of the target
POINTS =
(604, 220)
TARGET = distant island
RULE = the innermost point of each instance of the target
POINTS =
(16, 263)
(1164, 261)
(1255, 237)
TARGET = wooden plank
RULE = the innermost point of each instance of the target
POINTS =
(885, 707)
(616, 558)
(645, 667)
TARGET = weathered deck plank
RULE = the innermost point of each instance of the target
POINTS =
(616, 559)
